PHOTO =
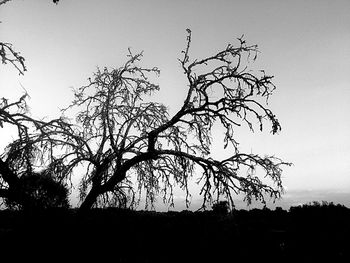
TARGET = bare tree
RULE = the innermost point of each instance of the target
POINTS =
(122, 139)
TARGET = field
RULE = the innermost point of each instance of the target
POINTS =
(311, 233)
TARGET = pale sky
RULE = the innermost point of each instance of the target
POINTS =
(304, 44)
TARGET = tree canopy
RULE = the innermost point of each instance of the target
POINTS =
(129, 146)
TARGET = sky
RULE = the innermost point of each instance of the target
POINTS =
(304, 44)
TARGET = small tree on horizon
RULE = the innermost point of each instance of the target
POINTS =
(129, 146)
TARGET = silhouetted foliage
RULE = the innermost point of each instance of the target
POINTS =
(221, 207)
(33, 147)
(120, 137)
(129, 147)
(44, 191)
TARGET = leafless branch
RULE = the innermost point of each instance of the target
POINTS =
(9, 55)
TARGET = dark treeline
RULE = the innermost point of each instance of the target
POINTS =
(308, 233)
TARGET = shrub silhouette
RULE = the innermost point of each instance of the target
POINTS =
(221, 207)
(43, 190)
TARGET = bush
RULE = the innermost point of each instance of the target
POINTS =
(221, 207)
(44, 192)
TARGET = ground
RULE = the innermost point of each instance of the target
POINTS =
(303, 234)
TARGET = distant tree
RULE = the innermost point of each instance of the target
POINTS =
(221, 207)
(130, 146)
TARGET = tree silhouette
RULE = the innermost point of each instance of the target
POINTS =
(20, 184)
(221, 207)
(43, 190)
(130, 146)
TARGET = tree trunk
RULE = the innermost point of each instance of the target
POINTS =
(89, 200)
